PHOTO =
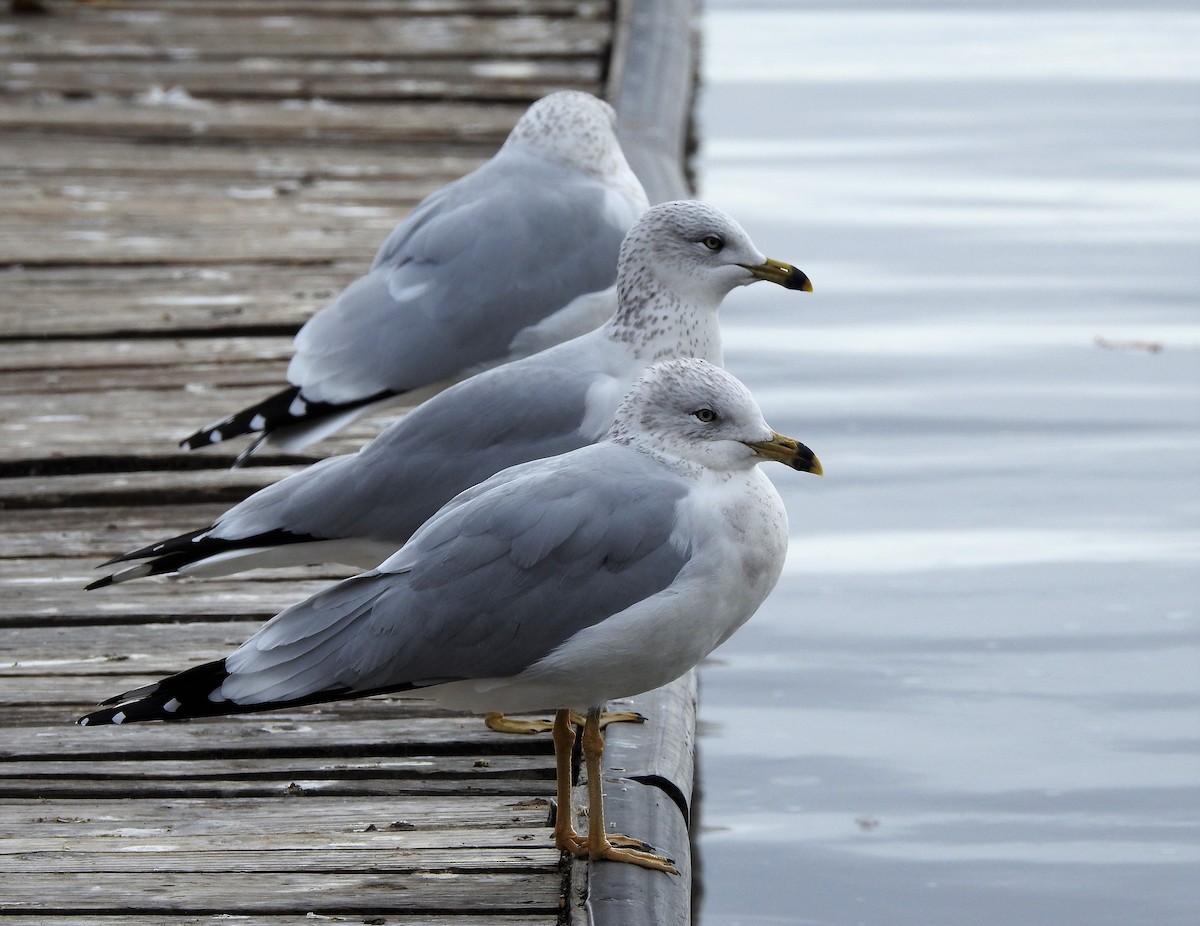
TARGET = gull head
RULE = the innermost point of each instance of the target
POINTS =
(693, 412)
(572, 129)
(695, 252)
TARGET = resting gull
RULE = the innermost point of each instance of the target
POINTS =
(563, 582)
(676, 265)
(511, 258)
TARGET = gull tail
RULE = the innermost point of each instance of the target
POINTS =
(286, 418)
(198, 552)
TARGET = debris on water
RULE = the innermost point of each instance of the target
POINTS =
(1150, 347)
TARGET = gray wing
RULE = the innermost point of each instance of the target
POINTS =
(519, 412)
(495, 253)
(485, 589)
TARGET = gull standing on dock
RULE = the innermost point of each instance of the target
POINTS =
(565, 582)
(676, 265)
(515, 256)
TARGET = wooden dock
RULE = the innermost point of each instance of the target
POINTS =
(181, 186)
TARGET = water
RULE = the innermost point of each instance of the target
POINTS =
(973, 698)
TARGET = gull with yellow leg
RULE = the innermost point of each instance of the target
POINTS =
(561, 583)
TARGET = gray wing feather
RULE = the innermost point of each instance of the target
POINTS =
(516, 413)
(491, 585)
(524, 243)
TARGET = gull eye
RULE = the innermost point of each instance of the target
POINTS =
(713, 242)
(706, 415)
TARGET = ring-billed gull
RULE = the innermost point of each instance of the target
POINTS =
(502, 262)
(564, 582)
(676, 265)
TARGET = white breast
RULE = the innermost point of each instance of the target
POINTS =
(737, 530)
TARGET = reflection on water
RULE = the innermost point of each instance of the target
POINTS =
(981, 336)
(930, 550)
(959, 42)
(973, 698)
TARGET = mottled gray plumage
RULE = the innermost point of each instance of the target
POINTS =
(361, 507)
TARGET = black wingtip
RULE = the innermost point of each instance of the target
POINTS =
(286, 409)
(177, 697)
(177, 553)
(162, 557)
(271, 413)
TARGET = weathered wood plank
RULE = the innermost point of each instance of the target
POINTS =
(142, 648)
(505, 79)
(194, 32)
(32, 156)
(137, 219)
(107, 301)
(66, 577)
(173, 353)
(276, 74)
(382, 888)
(280, 733)
(64, 571)
(335, 817)
(131, 774)
(62, 599)
(71, 528)
(348, 8)
(258, 122)
(515, 857)
(38, 196)
(158, 231)
(383, 788)
(125, 918)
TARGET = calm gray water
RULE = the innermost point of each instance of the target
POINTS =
(973, 698)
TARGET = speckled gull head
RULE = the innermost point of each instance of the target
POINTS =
(692, 252)
(691, 414)
(573, 129)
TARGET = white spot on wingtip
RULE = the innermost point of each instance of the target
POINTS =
(298, 407)
(257, 423)
(214, 436)
(118, 717)
(83, 721)
(172, 706)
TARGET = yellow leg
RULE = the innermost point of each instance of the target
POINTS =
(499, 723)
(565, 837)
(607, 717)
(600, 844)
(496, 721)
